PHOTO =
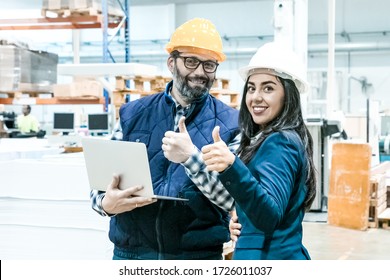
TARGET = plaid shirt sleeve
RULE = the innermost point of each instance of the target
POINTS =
(97, 196)
(208, 182)
(96, 200)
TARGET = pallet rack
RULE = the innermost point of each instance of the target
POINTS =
(74, 20)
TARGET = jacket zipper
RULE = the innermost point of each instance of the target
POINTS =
(159, 232)
(160, 210)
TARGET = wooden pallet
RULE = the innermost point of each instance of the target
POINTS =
(376, 208)
(81, 97)
(381, 168)
(228, 96)
(3, 134)
(388, 196)
(377, 185)
(120, 95)
(220, 83)
(19, 94)
(147, 85)
(384, 219)
(73, 149)
(29, 89)
(66, 13)
(378, 199)
(142, 83)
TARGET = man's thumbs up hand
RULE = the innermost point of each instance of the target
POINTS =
(216, 136)
(217, 156)
(182, 125)
(177, 146)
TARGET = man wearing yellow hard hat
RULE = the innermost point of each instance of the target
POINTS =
(175, 125)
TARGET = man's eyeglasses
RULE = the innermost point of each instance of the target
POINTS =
(191, 62)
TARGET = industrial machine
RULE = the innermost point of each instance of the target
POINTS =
(321, 131)
(9, 119)
(384, 148)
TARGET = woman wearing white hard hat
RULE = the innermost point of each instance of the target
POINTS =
(272, 180)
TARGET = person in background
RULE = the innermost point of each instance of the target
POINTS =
(272, 180)
(3, 127)
(27, 123)
(174, 125)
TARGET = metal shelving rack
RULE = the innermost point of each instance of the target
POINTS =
(82, 22)
(125, 22)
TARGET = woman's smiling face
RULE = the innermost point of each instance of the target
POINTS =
(264, 98)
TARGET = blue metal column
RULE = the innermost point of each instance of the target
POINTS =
(127, 30)
(106, 41)
(105, 47)
(126, 10)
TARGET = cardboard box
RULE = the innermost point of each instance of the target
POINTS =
(26, 70)
(55, 4)
(10, 72)
(84, 88)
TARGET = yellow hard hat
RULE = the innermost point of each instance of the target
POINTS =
(197, 35)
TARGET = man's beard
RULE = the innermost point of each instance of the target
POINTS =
(190, 94)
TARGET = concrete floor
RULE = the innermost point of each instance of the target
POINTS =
(327, 242)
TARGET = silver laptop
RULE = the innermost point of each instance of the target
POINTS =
(104, 157)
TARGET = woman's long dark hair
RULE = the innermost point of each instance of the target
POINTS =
(289, 119)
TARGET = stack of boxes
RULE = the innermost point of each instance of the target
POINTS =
(39, 70)
(24, 70)
(80, 87)
(91, 7)
(10, 72)
(55, 4)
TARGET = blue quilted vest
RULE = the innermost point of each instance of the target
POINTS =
(170, 229)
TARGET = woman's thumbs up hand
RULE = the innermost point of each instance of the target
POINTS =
(217, 156)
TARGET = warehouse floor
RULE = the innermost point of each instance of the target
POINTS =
(327, 242)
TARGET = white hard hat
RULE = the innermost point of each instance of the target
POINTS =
(278, 60)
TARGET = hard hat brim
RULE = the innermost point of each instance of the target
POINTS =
(219, 56)
(301, 84)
